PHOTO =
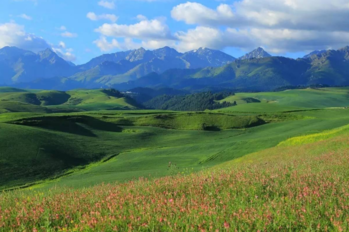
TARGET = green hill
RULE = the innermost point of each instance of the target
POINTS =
(29, 154)
(289, 100)
(14, 106)
(80, 149)
(289, 188)
(17, 100)
(190, 102)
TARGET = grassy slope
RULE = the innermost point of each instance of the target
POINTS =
(29, 154)
(300, 187)
(36, 101)
(13, 106)
(291, 100)
(53, 144)
(191, 150)
(143, 143)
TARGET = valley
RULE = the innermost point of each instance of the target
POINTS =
(163, 115)
(77, 139)
(100, 150)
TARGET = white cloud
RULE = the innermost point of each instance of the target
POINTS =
(274, 40)
(212, 38)
(291, 14)
(69, 34)
(26, 17)
(104, 45)
(196, 13)
(64, 53)
(279, 25)
(128, 44)
(151, 33)
(107, 4)
(145, 29)
(92, 16)
(141, 17)
(62, 44)
(12, 34)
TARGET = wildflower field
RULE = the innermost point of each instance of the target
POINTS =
(301, 187)
(279, 166)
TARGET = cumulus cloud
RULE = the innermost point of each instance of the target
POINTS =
(92, 16)
(12, 34)
(213, 38)
(275, 40)
(103, 44)
(145, 29)
(279, 25)
(196, 13)
(291, 14)
(129, 44)
(107, 4)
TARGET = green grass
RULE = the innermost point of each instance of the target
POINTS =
(11, 90)
(300, 187)
(290, 100)
(13, 106)
(140, 143)
(248, 169)
(17, 100)
(143, 151)
(191, 121)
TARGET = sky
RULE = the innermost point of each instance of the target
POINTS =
(79, 30)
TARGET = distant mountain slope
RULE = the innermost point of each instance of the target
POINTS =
(204, 57)
(201, 69)
(17, 65)
(314, 53)
(138, 63)
(256, 54)
(330, 68)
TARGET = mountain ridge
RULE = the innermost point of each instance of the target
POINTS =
(202, 68)
(256, 54)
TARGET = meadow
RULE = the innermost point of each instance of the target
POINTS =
(275, 161)
(286, 188)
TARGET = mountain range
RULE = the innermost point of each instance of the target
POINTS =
(165, 67)
(256, 54)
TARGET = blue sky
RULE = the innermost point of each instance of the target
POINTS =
(81, 29)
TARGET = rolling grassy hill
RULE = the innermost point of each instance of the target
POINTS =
(285, 176)
(18, 100)
(289, 100)
(84, 148)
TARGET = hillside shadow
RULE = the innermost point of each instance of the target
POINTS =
(98, 124)
(211, 128)
(62, 124)
(78, 125)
